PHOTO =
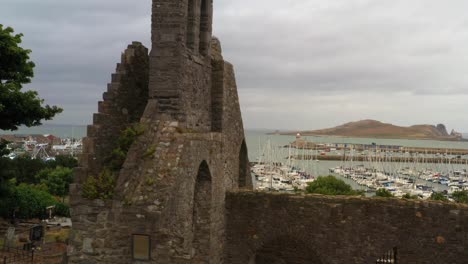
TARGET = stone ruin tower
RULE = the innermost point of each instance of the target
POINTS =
(169, 196)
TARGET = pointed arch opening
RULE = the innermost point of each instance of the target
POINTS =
(217, 95)
(202, 214)
(244, 171)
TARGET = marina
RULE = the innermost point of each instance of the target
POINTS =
(387, 157)
(419, 174)
(288, 163)
(44, 147)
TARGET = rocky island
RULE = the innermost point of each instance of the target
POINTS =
(377, 129)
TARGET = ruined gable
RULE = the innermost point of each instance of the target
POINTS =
(122, 105)
(171, 188)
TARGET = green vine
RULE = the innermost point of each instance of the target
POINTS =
(102, 186)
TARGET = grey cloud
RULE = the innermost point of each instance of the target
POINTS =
(322, 54)
(76, 45)
(362, 45)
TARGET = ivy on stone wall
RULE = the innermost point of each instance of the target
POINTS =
(102, 186)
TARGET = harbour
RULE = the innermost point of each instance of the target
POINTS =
(414, 173)
(288, 163)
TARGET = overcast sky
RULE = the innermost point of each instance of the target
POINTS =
(300, 64)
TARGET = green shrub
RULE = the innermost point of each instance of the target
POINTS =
(100, 187)
(129, 136)
(30, 201)
(62, 209)
(460, 197)
(117, 159)
(384, 193)
(438, 197)
(410, 197)
(90, 188)
(330, 186)
(56, 181)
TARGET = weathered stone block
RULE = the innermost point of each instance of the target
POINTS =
(173, 182)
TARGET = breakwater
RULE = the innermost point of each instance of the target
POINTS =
(382, 159)
(359, 148)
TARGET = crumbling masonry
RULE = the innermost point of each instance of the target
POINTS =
(182, 194)
(173, 182)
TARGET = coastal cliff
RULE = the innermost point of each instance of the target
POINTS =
(377, 129)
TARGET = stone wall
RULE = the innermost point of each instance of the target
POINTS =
(180, 74)
(159, 194)
(123, 104)
(173, 182)
(282, 228)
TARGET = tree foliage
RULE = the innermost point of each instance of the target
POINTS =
(25, 169)
(30, 185)
(22, 168)
(330, 185)
(3, 148)
(16, 66)
(56, 181)
(18, 107)
(30, 202)
(65, 161)
(53, 176)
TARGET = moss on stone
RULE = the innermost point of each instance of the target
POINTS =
(150, 152)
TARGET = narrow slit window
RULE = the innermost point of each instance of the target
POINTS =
(204, 27)
(193, 25)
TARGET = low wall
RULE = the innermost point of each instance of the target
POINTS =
(284, 228)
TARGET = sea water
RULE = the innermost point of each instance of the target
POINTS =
(257, 139)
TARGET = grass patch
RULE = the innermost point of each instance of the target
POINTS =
(60, 235)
